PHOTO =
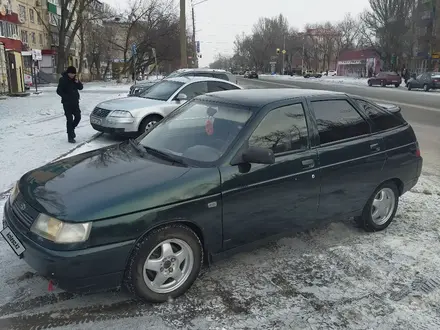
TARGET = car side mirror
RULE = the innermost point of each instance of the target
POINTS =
(181, 97)
(258, 155)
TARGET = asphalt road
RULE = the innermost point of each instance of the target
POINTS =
(420, 109)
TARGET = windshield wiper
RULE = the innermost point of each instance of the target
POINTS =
(137, 146)
(164, 155)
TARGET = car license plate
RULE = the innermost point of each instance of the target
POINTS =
(95, 121)
(395, 81)
(13, 241)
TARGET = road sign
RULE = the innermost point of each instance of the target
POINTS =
(36, 55)
(278, 50)
(198, 46)
(284, 51)
(133, 49)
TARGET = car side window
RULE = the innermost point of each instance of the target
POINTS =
(338, 120)
(379, 75)
(195, 89)
(419, 77)
(220, 76)
(381, 119)
(282, 130)
(188, 74)
(216, 86)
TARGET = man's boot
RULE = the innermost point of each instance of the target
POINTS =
(71, 140)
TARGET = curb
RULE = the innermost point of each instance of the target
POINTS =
(5, 193)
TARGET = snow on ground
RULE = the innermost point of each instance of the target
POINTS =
(334, 277)
(33, 131)
(339, 80)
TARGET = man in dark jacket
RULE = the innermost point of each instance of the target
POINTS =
(68, 88)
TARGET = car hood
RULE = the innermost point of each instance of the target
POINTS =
(110, 182)
(129, 103)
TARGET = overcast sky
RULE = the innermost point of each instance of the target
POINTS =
(219, 21)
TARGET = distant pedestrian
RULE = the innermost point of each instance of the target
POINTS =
(68, 88)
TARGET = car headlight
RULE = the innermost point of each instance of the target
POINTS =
(14, 193)
(61, 232)
(121, 114)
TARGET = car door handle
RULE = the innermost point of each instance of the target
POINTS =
(308, 163)
(375, 147)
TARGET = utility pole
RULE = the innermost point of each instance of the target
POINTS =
(302, 57)
(183, 53)
(284, 52)
(195, 57)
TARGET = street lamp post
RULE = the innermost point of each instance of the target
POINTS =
(183, 52)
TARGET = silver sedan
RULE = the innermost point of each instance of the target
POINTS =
(136, 115)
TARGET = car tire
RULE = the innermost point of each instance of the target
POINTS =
(370, 83)
(148, 123)
(426, 88)
(397, 85)
(383, 84)
(409, 87)
(140, 281)
(386, 196)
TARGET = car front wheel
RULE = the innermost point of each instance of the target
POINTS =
(381, 208)
(165, 263)
(148, 123)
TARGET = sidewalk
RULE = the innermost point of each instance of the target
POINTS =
(34, 133)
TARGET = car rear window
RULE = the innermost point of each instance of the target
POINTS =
(220, 76)
(381, 118)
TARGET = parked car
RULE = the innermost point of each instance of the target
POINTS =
(384, 79)
(330, 73)
(133, 116)
(223, 171)
(250, 75)
(139, 88)
(312, 74)
(426, 81)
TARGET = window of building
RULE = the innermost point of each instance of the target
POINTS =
(282, 130)
(24, 36)
(31, 15)
(338, 120)
(22, 13)
(33, 38)
(40, 39)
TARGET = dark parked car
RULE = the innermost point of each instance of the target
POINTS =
(250, 75)
(385, 78)
(222, 171)
(426, 81)
(141, 87)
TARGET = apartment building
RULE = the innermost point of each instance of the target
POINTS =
(427, 35)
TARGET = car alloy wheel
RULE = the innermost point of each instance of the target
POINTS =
(148, 123)
(164, 263)
(381, 208)
(168, 266)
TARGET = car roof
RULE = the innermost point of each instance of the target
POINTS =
(201, 70)
(258, 98)
(188, 79)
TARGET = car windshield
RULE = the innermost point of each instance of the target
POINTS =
(162, 90)
(198, 133)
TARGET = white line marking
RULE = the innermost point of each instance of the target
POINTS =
(370, 98)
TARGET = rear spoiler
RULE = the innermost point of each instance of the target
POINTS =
(390, 107)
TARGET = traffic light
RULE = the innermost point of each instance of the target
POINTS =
(278, 51)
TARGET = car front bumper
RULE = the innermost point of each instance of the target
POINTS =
(114, 125)
(87, 270)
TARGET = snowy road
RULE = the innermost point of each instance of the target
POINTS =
(336, 277)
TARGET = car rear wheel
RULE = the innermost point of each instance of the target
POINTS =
(370, 83)
(148, 123)
(426, 88)
(164, 264)
(383, 84)
(381, 208)
(397, 85)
